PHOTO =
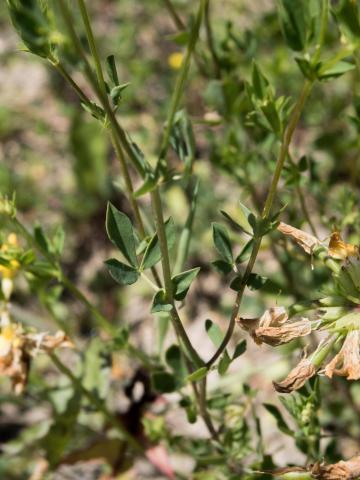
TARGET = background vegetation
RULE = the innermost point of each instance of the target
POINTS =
(119, 403)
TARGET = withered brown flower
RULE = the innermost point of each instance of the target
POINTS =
(17, 348)
(341, 250)
(343, 470)
(347, 362)
(306, 241)
(303, 371)
(273, 327)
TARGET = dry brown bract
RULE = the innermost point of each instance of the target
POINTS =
(347, 362)
(297, 377)
(273, 327)
(306, 241)
(17, 348)
(343, 470)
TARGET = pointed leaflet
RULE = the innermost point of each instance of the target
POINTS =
(120, 232)
(181, 282)
(122, 273)
(152, 253)
(222, 242)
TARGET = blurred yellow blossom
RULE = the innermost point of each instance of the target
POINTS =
(175, 60)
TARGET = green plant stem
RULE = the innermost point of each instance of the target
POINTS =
(165, 261)
(99, 404)
(322, 32)
(114, 137)
(92, 45)
(120, 156)
(305, 210)
(210, 41)
(179, 86)
(293, 121)
(184, 241)
(174, 15)
(117, 129)
(101, 321)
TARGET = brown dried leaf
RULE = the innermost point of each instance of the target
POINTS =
(297, 377)
(306, 241)
(348, 359)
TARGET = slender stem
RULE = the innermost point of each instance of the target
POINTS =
(210, 41)
(179, 86)
(294, 119)
(177, 19)
(99, 404)
(184, 241)
(147, 280)
(118, 131)
(165, 261)
(62, 70)
(92, 45)
(204, 411)
(120, 155)
(305, 210)
(322, 32)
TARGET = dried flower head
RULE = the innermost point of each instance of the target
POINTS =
(17, 348)
(343, 470)
(341, 250)
(347, 362)
(297, 377)
(306, 241)
(274, 328)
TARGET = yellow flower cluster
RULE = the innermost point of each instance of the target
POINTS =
(9, 271)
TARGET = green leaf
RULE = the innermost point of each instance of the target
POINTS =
(62, 430)
(347, 12)
(233, 224)
(255, 281)
(214, 332)
(152, 253)
(335, 71)
(236, 284)
(244, 218)
(293, 17)
(306, 67)
(120, 232)
(122, 273)
(97, 368)
(116, 92)
(175, 360)
(239, 349)
(148, 185)
(197, 375)
(222, 267)
(41, 239)
(121, 338)
(260, 83)
(222, 242)
(160, 303)
(224, 363)
(245, 252)
(163, 382)
(111, 70)
(181, 282)
(281, 424)
(58, 241)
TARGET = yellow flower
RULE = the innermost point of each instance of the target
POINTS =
(175, 60)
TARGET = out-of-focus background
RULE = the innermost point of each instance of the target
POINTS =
(61, 166)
